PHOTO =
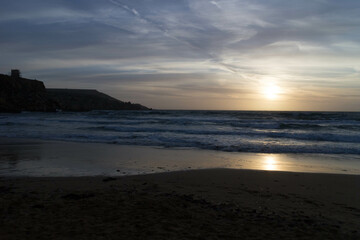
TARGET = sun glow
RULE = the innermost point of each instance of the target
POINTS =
(271, 92)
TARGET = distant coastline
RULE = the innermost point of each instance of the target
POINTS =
(19, 94)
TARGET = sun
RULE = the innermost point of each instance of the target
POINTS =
(271, 92)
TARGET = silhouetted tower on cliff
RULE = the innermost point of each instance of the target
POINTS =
(15, 73)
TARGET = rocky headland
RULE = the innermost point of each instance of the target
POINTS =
(20, 94)
(76, 100)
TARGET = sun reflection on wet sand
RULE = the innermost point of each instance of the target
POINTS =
(270, 163)
(24, 157)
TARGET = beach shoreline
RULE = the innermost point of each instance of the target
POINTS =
(196, 204)
(48, 158)
(151, 193)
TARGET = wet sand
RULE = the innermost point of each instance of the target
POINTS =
(43, 158)
(198, 204)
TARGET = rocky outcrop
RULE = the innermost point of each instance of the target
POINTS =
(20, 94)
(86, 100)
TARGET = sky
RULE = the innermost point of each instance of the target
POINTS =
(191, 54)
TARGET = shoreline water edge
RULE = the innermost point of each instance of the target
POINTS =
(138, 142)
(36, 157)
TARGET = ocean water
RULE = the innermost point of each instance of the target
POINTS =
(227, 131)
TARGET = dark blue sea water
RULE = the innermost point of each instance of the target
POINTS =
(233, 131)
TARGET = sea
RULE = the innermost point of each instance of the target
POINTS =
(327, 142)
(230, 131)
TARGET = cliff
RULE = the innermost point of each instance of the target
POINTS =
(20, 94)
(86, 100)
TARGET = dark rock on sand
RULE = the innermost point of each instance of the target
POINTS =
(75, 196)
(109, 179)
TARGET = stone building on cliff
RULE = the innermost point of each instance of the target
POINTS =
(15, 73)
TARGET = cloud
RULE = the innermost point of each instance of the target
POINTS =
(243, 42)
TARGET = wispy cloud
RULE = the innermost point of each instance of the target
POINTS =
(244, 44)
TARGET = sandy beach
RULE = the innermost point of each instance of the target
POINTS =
(198, 204)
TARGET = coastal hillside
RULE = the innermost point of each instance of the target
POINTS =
(85, 100)
(20, 94)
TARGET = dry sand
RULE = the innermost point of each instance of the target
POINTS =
(200, 204)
